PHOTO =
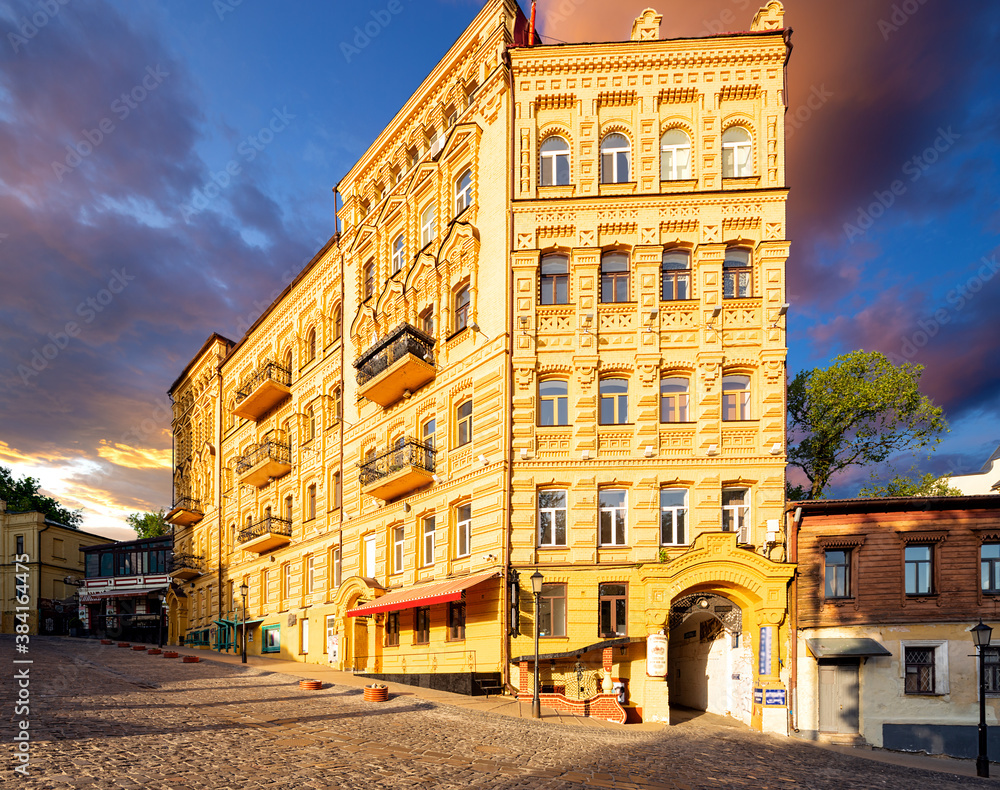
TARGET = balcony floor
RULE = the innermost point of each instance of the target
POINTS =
(407, 479)
(409, 373)
(261, 474)
(266, 542)
(268, 395)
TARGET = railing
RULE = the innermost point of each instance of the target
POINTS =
(179, 561)
(408, 453)
(272, 524)
(270, 450)
(401, 341)
(188, 503)
(269, 370)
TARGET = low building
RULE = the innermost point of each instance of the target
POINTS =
(43, 558)
(125, 587)
(884, 597)
(985, 481)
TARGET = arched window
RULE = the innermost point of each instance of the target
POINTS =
(614, 401)
(553, 401)
(288, 361)
(310, 424)
(674, 399)
(463, 192)
(614, 277)
(675, 272)
(427, 222)
(311, 345)
(554, 280)
(463, 423)
(554, 162)
(338, 320)
(368, 276)
(735, 398)
(335, 406)
(615, 150)
(737, 153)
(463, 301)
(675, 155)
(736, 274)
(398, 245)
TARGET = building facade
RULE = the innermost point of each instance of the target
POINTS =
(884, 597)
(548, 337)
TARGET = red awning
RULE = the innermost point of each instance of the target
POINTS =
(422, 595)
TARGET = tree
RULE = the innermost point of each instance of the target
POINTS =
(23, 495)
(901, 485)
(148, 525)
(859, 411)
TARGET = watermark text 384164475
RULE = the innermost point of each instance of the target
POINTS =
(22, 668)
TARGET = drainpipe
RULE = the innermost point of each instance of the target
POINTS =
(217, 485)
(343, 396)
(509, 482)
(793, 616)
(38, 578)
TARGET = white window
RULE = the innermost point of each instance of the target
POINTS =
(674, 392)
(370, 556)
(673, 516)
(397, 550)
(398, 245)
(737, 153)
(463, 192)
(428, 542)
(554, 162)
(463, 303)
(336, 568)
(304, 636)
(427, 222)
(310, 574)
(735, 398)
(552, 518)
(430, 431)
(614, 510)
(615, 150)
(463, 526)
(675, 155)
(924, 666)
(736, 512)
(552, 610)
(737, 274)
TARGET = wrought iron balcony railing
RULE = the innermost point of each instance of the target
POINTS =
(409, 453)
(270, 524)
(188, 503)
(402, 340)
(190, 561)
(268, 371)
(271, 450)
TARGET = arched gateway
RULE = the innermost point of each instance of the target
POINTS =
(717, 633)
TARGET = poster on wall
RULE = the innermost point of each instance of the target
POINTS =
(656, 655)
(766, 641)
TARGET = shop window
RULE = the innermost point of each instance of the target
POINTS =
(456, 621)
(270, 639)
(422, 625)
(392, 629)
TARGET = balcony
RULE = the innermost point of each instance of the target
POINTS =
(185, 512)
(401, 362)
(264, 462)
(406, 467)
(185, 566)
(266, 535)
(266, 388)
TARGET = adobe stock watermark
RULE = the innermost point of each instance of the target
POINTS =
(260, 305)
(914, 168)
(29, 28)
(380, 19)
(223, 7)
(87, 310)
(121, 108)
(818, 97)
(957, 298)
(901, 14)
(727, 20)
(248, 149)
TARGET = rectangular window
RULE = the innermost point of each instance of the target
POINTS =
(552, 610)
(311, 502)
(19, 541)
(370, 556)
(917, 561)
(286, 580)
(288, 508)
(304, 637)
(674, 399)
(397, 550)
(614, 401)
(673, 516)
(428, 541)
(992, 676)
(427, 321)
(838, 573)
(456, 621)
(919, 670)
(613, 511)
(310, 574)
(338, 491)
(430, 430)
(57, 548)
(463, 419)
(735, 510)
(336, 568)
(421, 625)
(990, 565)
(463, 530)
(270, 639)
(553, 397)
(551, 518)
(613, 610)
(392, 629)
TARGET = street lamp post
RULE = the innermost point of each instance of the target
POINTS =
(159, 620)
(536, 588)
(981, 636)
(243, 592)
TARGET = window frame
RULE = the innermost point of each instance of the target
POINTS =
(994, 569)
(618, 515)
(733, 168)
(310, 502)
(551, 158)
(553, 517)
(370, 543)
(612, 599)
(678, 534)
(917, 564)
(463, 192)
(463, 530)
(991, 681)
(552, 619)
(736, 401)
(612, 280)
(737, 520)
(390, 633)
(428, 538)
(675, 402)
(842, 576)
(310, 345)
(612, 156)
(267, 643)
(674, 171)
(675, 277)
(463, 308)
(463, 423)
(398, 252)
(368, 281)
(549, 284)
(421, 625)
(398, 544)
(941, 681)
(557, 402)
(456, 621)
(733, 269)
(617, 401)
(428, 224)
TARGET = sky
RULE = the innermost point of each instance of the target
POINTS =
(166, 168)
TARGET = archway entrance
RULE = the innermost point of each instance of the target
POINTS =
(710, 663)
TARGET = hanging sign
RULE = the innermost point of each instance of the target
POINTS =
(656, 655)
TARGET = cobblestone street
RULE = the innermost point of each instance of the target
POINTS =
(104, 717)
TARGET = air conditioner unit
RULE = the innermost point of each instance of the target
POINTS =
(744, 537)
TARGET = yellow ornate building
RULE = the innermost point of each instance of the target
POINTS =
(548, 337)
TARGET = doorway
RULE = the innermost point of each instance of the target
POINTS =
(839, 697)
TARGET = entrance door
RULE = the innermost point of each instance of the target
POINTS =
(332, 640)
(839, 699)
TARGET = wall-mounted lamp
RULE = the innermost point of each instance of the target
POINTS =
(782, 311)
(437, 478)
(406, 507)
(475, 328)
(483, 460)
(648, 452)
(776, 448)
(587, 322)
(713, 449)
(585, 455)
(523, 320)
(524, 454)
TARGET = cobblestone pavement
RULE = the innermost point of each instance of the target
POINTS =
(105, 717)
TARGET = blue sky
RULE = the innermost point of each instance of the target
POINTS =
(886, 107)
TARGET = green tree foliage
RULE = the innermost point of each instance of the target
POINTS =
(859, 411)
(901, 485)
(148, 525)
(22, 495)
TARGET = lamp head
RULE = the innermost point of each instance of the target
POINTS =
(244, 590)
(981, 634)
(536, 582)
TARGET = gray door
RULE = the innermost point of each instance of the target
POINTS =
(838, 697)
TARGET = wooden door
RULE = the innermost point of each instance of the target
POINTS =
(839, 698)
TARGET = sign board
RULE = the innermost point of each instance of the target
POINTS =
(766, 641)
(656, 655)
(758, 696)
(774, 697)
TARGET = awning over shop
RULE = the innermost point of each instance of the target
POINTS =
(131, 592)
(248, 623)
(421, 595)
(844, 647)
(619, 642)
